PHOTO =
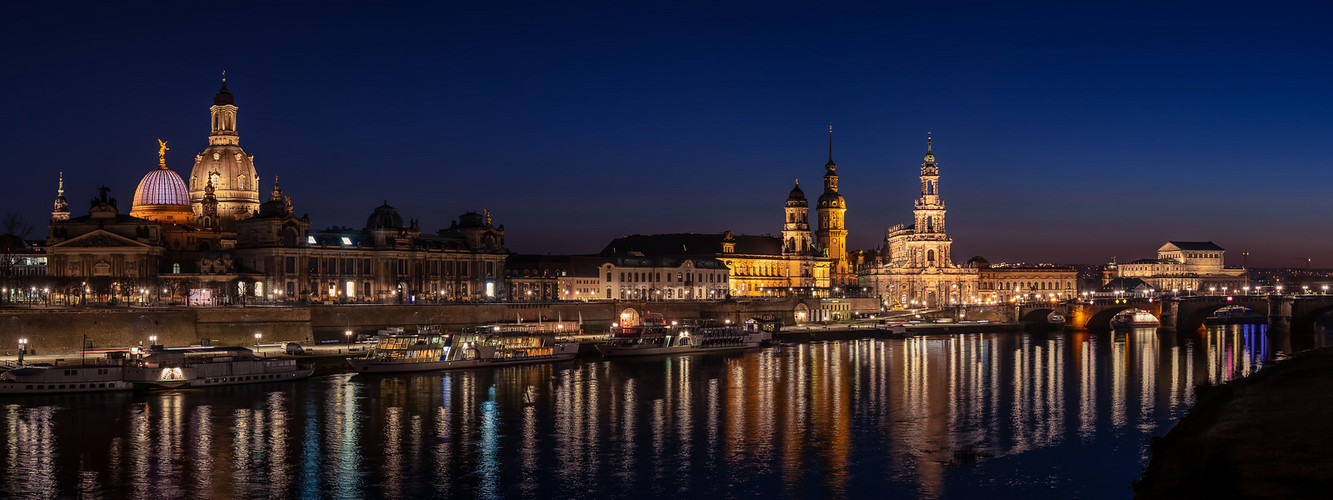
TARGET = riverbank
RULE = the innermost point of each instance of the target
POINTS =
(1264, 436)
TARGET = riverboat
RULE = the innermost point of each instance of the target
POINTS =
(172, 368)
(45, 378)
(654, 336)
(430, 350)
(1235, 315)
(1134, 319)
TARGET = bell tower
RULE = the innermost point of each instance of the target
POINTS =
(832, 232)
(931, 242)
(796, 227)
(223, 114)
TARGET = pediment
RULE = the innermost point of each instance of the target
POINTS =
(100, 238)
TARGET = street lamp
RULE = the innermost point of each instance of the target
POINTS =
(23, 349)
(348, 334)
(152, 341)
(257, 337)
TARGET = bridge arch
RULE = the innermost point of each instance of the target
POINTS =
(1038, 316)
(801, 313)
(1309, 320)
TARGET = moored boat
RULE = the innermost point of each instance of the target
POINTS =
(43, 378)
(1134, 318)
(430, 350)
(172, 368)
(654, 336)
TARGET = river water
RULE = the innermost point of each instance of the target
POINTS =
(1032, 415)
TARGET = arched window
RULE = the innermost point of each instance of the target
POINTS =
(930, 255)
(175, 269)
(240, 181)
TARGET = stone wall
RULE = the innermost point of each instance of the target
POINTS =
(63, 330)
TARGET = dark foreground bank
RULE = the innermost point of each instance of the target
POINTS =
(1269, 435)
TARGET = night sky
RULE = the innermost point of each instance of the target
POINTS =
(1066, 132)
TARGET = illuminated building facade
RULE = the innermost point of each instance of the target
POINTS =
(211, 240)
(1004, 284)
(224, 169)
(756, 265)
(1184, 266)
(915, 269)
(388, 261)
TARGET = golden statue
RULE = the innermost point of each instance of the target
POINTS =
(162, 153)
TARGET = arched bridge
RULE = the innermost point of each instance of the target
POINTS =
(1298, 313)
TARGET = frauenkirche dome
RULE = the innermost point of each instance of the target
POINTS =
(232, 172)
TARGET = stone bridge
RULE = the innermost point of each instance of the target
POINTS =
(1298, 313)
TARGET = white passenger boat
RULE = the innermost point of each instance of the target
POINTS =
(209, 366)
(654, 336)
(43, 378)
(430, 350)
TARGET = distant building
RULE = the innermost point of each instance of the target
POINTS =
(1182, 267)
(1016, 283)
(832, 232)
(210, 241)
(756, 265)
(915, 267)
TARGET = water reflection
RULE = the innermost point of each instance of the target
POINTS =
(952, 416)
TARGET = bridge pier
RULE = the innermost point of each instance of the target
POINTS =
(1279, 313)
(1170, 314)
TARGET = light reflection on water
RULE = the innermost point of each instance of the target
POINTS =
(1050, 414)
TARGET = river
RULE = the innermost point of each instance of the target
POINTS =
(1036, 415)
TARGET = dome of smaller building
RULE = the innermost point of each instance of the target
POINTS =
(978, 262)
(796, 197)
(385, 217)
(472, 219)
(224, 97)
(161, 187)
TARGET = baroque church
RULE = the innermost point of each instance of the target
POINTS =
(915, 267)
(211, 241)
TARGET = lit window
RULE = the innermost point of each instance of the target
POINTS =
(347, 241)
(310, 240)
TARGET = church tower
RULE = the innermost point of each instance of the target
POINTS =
(60, 211)
(832, 232)
(226, 166)
(930, 241)
(796, 229)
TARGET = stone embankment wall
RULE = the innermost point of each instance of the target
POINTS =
(64, 330)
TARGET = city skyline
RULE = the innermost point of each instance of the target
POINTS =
(567, 167)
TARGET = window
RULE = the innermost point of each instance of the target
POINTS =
(310, 240)
(175, 269)
(346, 240)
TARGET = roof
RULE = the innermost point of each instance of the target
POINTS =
(1123, 284)
(1195, 245)
(692, 244)
(667, 261)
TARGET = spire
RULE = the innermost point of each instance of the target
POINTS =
(830, 165)
(277, 190)
(928, 143)
(224, 96)
(60, 191)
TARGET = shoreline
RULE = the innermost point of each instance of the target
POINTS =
(1262, 436)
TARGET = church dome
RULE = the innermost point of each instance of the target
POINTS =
(832, 199)
(234, 170)
(796, 197)
(385, 217)
(161, 187)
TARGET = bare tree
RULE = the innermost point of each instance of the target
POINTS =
(14, 225)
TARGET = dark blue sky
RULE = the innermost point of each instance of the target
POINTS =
(1066, 132)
